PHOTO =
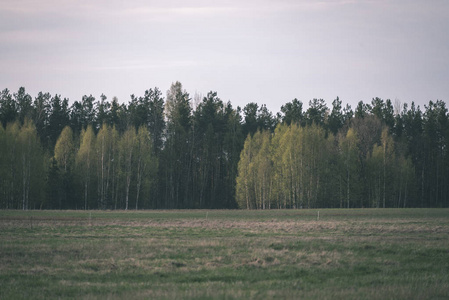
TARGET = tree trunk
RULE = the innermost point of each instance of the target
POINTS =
(347, 186)
(85, 194)
(385, 163)
(102, 175)
(23, 181)
(128, 182)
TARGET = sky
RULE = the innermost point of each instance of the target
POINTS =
(265, 51)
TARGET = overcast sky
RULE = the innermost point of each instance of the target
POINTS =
(264, 51)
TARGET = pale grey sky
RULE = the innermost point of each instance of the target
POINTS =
(263, 51)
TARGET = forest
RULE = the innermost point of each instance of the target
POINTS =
(178, 151)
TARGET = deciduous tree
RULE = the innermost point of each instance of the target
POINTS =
(85, 161)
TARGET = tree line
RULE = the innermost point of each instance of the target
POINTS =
(182, 152)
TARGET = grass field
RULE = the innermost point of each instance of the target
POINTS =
(286, 254)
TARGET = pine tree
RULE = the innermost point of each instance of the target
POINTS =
(178, 147)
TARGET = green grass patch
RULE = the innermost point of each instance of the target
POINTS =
(221, 254)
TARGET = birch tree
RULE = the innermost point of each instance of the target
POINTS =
(244, 180)
(84, 161)
(31, 161)
(115, 165)
(349, 159)
(375, 175)
(11, 190)
(64, 149)
(64, 156)
(264, 167)
(104, 160)
(146, 164)
(3, 166)
(127, 153)
(387, 161)
(278, 176)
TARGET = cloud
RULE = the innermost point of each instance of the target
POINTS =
(295, 42)
(143, 64)
(176, 11)
(104, 8)
(36, 36)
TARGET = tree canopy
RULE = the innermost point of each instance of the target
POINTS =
(156, 152)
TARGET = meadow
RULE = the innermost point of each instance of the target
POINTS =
(225, 254)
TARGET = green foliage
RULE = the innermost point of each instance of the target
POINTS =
(177, 155)
(292, 112)
(106, 155)
(146, 166)
(299, 167)
(316, 114)
(349, 174)
(64, 149)
(8, 108)
(127, 152)
(244, 181)
(58, 119)
(85, 163)
(380, 155)
(22, 169)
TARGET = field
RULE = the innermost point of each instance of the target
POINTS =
(236, 254)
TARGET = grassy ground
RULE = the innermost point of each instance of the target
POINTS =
(287, 254)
